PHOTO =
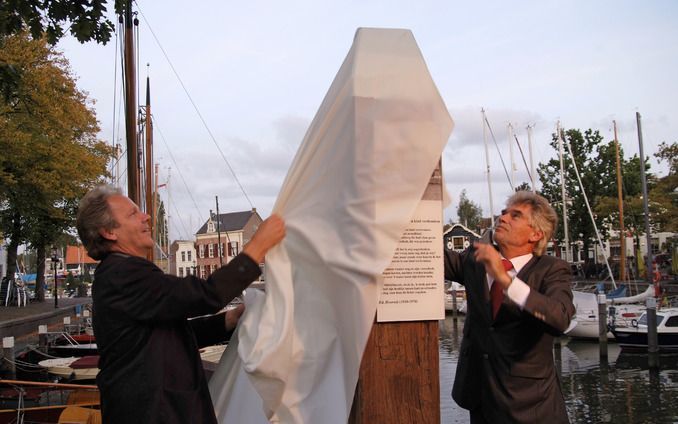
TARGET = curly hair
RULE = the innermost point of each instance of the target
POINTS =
(94, 214)
(543, 219)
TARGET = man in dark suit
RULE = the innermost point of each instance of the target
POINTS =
(151, 370)
(518, 300)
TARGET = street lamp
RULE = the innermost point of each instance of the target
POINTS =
(55, 261)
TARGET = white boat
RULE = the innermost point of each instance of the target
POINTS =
(457, 289)
(585, 322)
(635, 336)
(213, 353)
(73, 368)
(210, 356)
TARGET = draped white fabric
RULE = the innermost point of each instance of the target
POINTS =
(351, 190)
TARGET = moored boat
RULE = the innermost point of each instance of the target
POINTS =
(457, 290)
(585, 322)
(73, 368)
(635, 336)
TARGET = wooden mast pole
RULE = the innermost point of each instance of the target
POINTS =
(131, 108)
(399, 378)
(622, 232)
(150, 194)
(561, 140)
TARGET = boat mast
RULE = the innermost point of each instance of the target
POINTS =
(133, 189)
(150, 193)
(622, 232)
(487, 164)
(219, 249)
(643, 180)
(512, 163)
(561, 137)
(588, 208)
(533, 173)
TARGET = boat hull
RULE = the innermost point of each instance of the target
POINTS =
(636, 339)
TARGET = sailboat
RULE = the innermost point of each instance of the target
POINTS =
(622, 310)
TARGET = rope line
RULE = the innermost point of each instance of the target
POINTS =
(508, 178)
(195, 107)
(522, 155)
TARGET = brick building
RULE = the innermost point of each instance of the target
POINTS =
(236, 229)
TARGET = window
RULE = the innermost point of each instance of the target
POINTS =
(221, 250)
(201, 251)
(181, 271)
(210, 227)
(214, 268)
(211, 250)
(189, 255)
(183, 256)
(672, 321)
(233, 248)
(458, 243)
(203, 272)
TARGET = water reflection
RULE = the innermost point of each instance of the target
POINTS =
(619, 390)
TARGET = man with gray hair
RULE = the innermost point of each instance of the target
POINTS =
(518, 300)
(151, 370)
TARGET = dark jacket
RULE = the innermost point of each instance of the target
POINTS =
(151, 370)
(506, 369)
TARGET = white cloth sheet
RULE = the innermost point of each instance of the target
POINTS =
(350, 192)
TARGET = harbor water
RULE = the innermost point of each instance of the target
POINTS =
(621, 390)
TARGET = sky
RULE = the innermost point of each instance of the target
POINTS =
(257, 71)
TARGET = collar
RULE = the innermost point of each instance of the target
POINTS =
(520, 261)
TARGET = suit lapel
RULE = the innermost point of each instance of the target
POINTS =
(484, 290)
(527, 270)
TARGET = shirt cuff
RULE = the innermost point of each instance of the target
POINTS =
(518, 291)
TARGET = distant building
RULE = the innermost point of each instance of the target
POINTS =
(77, 260)
(236, 229)
(184, 260)
(458, 237)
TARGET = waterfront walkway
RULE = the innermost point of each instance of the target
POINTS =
(22, 323)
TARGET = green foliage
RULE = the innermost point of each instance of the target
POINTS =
(669, 153)
(86, 275)
(664, 195)
(71, 283)
(524, 186)
(49, 20)
(596, 162)
(469, 212)
(84, 19)
(582, 145)
(50, 153)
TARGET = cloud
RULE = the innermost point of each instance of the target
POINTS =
(468, 129)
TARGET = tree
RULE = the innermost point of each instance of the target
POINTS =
(48, 19)
(607, 204)
(51, 155)
(664, 194)
(596, 163)
(469, 213)
(583, 145)
(86, 19)
(669, 153)
(524, 186)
